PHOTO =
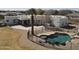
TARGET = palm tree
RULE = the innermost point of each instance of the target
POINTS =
(32, 11)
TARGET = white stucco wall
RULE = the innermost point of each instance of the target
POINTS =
(56, 20)
(59, 21)
(40, 19)
(22, 17)
(9, 20)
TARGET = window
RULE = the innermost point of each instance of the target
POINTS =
(14, 21)
(7, 20)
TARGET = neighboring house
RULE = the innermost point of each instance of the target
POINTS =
(73, 16)
(59, 21)
(54, 20)
(38, 19)
(24, 19)
(11, 20)
(14, 20)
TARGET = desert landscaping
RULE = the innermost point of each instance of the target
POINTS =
(16, 39)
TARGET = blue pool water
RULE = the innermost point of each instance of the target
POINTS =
(58, 37)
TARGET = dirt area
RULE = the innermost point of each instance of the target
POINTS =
(14, 39)
(8, 38)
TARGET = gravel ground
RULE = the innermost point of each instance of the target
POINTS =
(27, 44)
(16, 39)
(24, 42)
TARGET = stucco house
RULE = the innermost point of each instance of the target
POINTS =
(59, 21)
(24, 19)
(38, 19)
(11, 20)
(56, 20)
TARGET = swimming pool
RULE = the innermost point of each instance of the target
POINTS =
(58, 38)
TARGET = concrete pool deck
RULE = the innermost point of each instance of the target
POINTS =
(52, 32)
(75, 42)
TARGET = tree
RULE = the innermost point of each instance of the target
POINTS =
(31, 11)
(51, 12)
(39, 12)
(48, 12)
(56, 12)
(64, 12)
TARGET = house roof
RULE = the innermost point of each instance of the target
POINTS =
(73, 14)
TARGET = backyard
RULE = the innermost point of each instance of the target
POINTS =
(9, 38)
(14, 39)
